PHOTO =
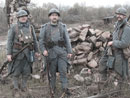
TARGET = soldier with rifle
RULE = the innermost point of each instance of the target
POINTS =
(21, 35)
(120, 41)
(56, 47)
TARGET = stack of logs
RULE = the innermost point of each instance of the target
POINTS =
(88, 44)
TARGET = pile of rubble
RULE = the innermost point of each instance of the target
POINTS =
(88, 44)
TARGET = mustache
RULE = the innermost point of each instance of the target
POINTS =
(54, 19)
(118, 18)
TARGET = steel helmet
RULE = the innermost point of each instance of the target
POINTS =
(122, 11)
(54, 10)
(22, 13)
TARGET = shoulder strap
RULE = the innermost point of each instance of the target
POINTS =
(16, 29)
(61, 28)
(47, 31)
(121, 31)
(31, 29)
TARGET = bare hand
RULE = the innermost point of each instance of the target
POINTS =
(9, 58)
(110, 43)
(69, 56)
(37, 54)
(45, 53)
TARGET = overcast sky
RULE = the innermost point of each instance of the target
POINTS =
(94, 3)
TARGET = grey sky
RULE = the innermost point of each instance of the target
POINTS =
(94, 3)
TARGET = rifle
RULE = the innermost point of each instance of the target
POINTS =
(49, 78)
(13, 58)
(128, 18)
(106, 48)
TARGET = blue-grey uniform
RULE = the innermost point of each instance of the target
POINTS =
(55, 39)
(120, 42)
(20, 35)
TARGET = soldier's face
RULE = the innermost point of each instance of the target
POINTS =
(54, 17)
(23, 19)
(120, 17)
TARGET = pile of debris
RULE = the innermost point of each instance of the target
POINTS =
(88, 44)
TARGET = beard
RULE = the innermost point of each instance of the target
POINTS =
(119, 19)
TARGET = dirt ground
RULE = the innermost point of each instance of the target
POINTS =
(38, 88)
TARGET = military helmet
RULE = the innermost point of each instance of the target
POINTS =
(54, 10)
(22, 13)
(121, 11)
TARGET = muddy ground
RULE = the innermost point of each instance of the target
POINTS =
(38, 88)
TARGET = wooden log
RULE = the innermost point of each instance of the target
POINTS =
(93, 39)
(90, 56)
(86, 26)
(101, 49)
(84, 46)
(79, 56)
(91, 32)
(83, 34)
(77, 29)
(73, 34)
(74, 39)
(69, 30)
(80, 61)
(106, 34)
(98, 44)
(98, 32)
(92, 63)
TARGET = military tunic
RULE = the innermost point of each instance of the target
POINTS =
(121, 63)
(22, 64)
(120, 41)
(57, 54)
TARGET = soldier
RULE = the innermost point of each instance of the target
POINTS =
(55, 44)
(120, 41)
(19, 35)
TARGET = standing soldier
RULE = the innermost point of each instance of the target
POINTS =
(55, 45)
(121, 40)
(19, 36)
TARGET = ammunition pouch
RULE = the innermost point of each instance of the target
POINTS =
(110, 61)
(19, 45)
(51, 44)
(61, 43)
